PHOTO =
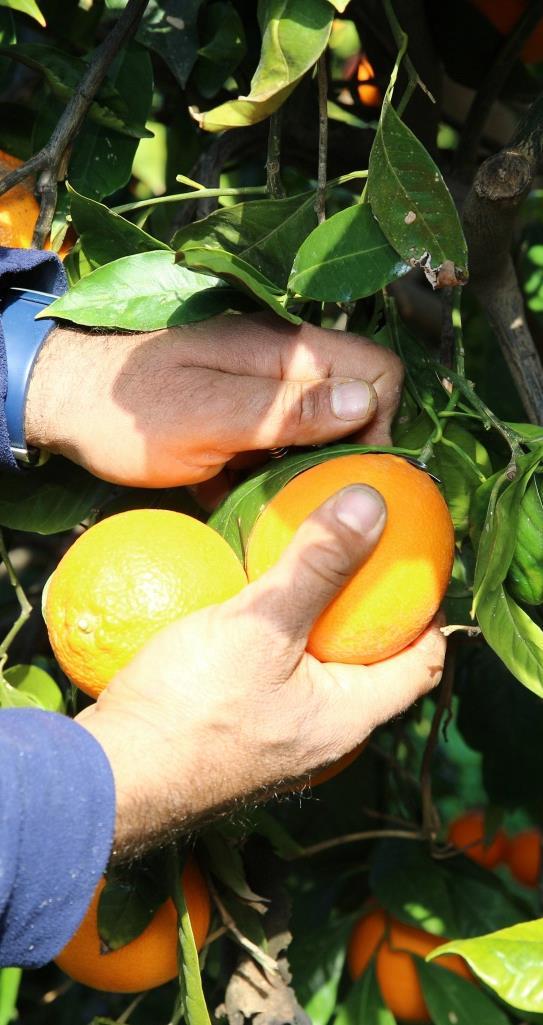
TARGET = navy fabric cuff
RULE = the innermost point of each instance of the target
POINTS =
(57, 815)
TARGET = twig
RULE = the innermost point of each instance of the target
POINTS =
(430, 818)
(198, 194)
(274, 184)
(322, 80)
(24, 604)
(465, 159)
(400, 38)
(369, 834)
(269, 964)
(53, 159)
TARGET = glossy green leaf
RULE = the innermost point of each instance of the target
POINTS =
(508, 961)
(450, 998)
(294, 34)
(235, 517)
(106, 236)
(516, 638)
(52, 498)
(144, 292)
(191, 994)
(412, 203)
(241, 274)
(221, 49)
(10, 980)
(29, 7)
(266, 233)
(346, 257)
(169, 27)
(317, 959)
(364, 1003)
(34, 682)
(63, 72)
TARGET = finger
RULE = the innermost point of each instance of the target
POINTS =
(356, 699)
(231, 413)
(326, 550)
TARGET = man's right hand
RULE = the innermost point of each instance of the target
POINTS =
(224, 705)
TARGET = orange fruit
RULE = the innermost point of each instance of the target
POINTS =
(524, 857)
(123, 580)
(504, 14)
(19, 211)
(368, 92)
(392, 598)
(393, 943)
(469, 828)
(150, 959)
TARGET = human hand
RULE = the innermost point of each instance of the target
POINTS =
(222, 706)
(175, 406)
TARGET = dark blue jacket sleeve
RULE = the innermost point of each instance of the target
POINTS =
(23, 268)
(57, 809)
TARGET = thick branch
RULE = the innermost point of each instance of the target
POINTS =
(489, 215)
(53, 158)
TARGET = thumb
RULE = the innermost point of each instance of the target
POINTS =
(324, 554)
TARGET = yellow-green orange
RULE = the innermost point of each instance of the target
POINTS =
(150, 959)
(395, 594)
(126, 578)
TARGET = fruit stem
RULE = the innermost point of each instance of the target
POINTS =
(24, 604)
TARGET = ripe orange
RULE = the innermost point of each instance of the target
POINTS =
(123, 580)
(369, 93)
(469, 828)
(393, 943)
(524, 857)
(19, 211)
(504, 14)
(150, 959)
(394, 595)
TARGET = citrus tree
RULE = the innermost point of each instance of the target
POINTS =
(361, 165)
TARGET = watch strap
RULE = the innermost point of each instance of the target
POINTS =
(24, 337)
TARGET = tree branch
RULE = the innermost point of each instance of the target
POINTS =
(53, 159)
(273, 159)
(322, 79)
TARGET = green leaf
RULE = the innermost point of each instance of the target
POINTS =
(129, 901)
(264, 824)
(447, 897)
(450, 998)
(513, 636)
(52, 498)
(226, 864)
(191, 994)
(266, 233)
(232, 268)
(144, 292)
(364, 1003)
(235, 517)
(63, 73)
(346, 257)
(508, 961)
(33, 681)
(222, 49)
(29, 7)
(294, 34)
(412, 203)
(10, 980)
(317, 959)
(106, 236)
(169, 27)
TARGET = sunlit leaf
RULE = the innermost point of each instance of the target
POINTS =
(229, 267)
(106, 236)
(29, 7)
(450, 998)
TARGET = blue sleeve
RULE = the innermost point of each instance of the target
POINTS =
(23, 268)
(57, 811)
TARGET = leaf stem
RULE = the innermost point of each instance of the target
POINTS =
(24, 604)
(322, 81)
(178, 197)
(274, 184)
